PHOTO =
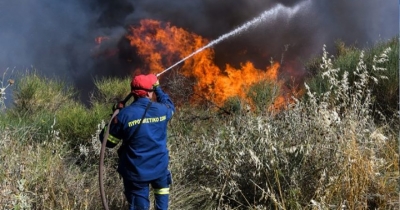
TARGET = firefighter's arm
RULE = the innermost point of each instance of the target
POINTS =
(113, 137)
(164, 99)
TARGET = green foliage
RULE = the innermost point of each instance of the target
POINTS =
(34, 94)
(33, 128)
(111, 90)
(100, 111)
(36, 99)
(234, 105)
(76, 123)
(49, 106)
(263, 94)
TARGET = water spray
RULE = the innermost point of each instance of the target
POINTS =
(268, 14)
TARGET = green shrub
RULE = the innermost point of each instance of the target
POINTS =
(36, 128)
(34, 93)
(111, 90)
(234, 105)
(263, 94)
(76, 123)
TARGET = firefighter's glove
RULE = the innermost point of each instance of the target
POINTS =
(120, 105)
(156, 84)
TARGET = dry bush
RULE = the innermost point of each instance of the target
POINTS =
(44, 175)
(35, 176)
(180, 86)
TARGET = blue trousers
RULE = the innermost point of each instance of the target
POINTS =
(137, 193)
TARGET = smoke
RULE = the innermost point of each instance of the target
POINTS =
(57, 37)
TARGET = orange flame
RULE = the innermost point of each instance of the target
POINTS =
(100, 39)
(160, 45)
(99, 51)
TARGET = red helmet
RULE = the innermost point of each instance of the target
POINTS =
(141, 84)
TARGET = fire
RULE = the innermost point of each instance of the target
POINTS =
(100, 51)
(100, 39)
(160, 45)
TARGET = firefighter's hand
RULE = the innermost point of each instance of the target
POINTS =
(156, 84)
(120, 105)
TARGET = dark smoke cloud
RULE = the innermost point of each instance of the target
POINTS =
(57, 37)
(43, 34)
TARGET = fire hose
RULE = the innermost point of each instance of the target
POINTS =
(102, 151)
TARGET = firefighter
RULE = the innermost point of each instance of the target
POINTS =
(141, 127)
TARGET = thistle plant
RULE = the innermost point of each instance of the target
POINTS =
(3, 89)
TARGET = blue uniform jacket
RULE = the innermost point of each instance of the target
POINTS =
(143, 157)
